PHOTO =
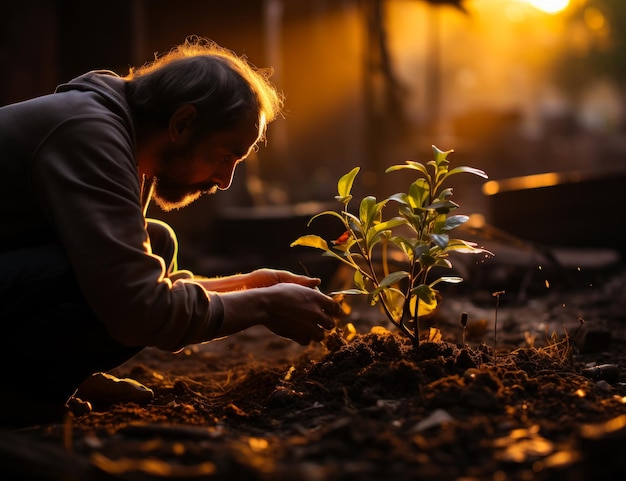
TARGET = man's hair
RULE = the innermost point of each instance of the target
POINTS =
(224, 87)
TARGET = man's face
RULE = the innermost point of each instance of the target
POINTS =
(185, 172)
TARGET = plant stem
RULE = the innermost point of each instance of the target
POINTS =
(464, 324)
(400, 325)
(495, 326)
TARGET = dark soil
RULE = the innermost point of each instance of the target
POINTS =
(548, 403)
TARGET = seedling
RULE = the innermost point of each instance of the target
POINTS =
(393, 257)
(497, 295)
(464, 324)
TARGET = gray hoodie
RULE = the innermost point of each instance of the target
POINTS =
(69, 174)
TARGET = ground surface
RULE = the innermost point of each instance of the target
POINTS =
(550, 405)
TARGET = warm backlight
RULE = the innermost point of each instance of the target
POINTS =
(550, 6)
(529, 182)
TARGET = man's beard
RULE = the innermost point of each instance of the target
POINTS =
(172, 197)
(171, 192)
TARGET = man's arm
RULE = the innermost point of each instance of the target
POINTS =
(287, 309)
(255, 279)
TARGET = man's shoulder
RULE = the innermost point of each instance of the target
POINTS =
(98, 91)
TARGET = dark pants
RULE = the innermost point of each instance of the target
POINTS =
(51, 340)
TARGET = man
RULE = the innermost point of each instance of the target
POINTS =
(86, 281)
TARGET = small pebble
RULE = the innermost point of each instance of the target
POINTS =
(602, 372)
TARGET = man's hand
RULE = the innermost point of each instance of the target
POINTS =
(287, 309)
(301, 313)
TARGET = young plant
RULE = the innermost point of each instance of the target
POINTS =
(392, 258)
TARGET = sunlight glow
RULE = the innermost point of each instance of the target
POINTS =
(601, 430)
(550, 6)
(532, 181)
(594, 19)
(258, 444)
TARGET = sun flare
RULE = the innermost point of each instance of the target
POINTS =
(550, 6)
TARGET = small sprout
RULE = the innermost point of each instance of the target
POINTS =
(464, 324)
(497, 295)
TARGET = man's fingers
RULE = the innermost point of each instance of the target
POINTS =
(313, 334)
(310, 281)
(327, 319)
(326, 323)
(333, 308)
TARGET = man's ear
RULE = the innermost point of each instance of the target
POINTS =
(181, 121)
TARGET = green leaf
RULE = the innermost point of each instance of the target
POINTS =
(440, 155)
(420, 249)
(467, 170)
(378, 209)
(311, 240)
(394, 300)
(444, 194)
(409, 165)
(393, 278)
(439, 222)
(400, 197)
(415, 218)
(372, 240)
(389, 224)
(349, 291)
(466, 247)
(419, 192)
(448, 279)
(405, 246)
(358, 280)
(454, 221)
(427, 260)
(443, 206)
(443, 262)
(353, 222)
(385, 291)
(425, 293)
(367, 210)
(441, 240)
(344, 186)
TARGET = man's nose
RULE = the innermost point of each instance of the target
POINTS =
(224, 177)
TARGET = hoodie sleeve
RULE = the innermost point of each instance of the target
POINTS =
(86, 179)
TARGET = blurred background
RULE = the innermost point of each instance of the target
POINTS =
(531, 91)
